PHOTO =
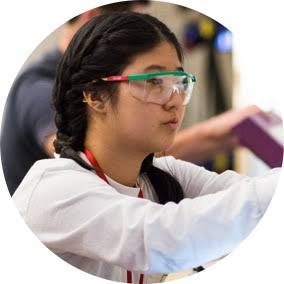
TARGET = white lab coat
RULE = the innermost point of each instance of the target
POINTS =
(105, 229)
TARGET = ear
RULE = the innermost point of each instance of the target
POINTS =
(99, 104)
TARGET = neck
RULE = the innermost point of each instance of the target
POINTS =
(120, 164)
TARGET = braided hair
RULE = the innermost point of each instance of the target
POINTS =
(106, 45)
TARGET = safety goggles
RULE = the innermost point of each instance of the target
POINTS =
(157, 87)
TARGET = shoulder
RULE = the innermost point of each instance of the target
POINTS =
(57, 177)
(185, 172)
(42, 70)
(59, 186)
(191, 177)
(45, 66)
(60, 168)
(175, 166)
(33, 86)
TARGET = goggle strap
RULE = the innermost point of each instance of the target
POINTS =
(115, 78)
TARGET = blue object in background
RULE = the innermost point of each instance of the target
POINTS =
(210, 32)
(223, 41)
(191, 35)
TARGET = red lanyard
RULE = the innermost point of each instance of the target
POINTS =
(101, 174)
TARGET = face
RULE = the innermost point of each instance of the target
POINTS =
(147, 127)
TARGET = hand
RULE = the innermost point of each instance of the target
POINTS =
(219, 127)
(205, 139)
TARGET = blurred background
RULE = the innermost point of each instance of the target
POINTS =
(210, 54)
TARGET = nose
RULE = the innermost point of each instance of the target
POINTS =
(175, 89)
(175, 99)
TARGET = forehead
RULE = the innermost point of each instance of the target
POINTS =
(162, 57)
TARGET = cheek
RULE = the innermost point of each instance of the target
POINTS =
(139, 122)
(143, 130)
(136, 126)
(133, 115)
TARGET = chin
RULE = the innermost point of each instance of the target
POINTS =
(159, 143)
(165, 146)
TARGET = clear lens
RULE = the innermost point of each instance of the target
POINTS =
(159, 89)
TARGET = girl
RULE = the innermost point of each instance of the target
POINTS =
(106, 205)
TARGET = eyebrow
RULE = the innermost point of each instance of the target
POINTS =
(160, 68)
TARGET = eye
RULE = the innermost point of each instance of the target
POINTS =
(155, 81)
(185, 83)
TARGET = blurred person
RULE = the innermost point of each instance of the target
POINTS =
(208, 138)
(28, 128)
(106, 205)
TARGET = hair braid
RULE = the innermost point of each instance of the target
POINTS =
(162, 180)
(70, 117)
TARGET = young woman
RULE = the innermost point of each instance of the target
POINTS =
(106, 205)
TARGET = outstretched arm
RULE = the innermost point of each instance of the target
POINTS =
(205, 139)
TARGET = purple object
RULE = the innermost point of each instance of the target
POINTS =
(256, 133)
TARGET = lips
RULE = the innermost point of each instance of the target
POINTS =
(174, 120)
(172, 123)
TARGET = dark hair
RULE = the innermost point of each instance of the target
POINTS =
(102, 47)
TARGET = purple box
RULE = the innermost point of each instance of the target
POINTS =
(262, 134)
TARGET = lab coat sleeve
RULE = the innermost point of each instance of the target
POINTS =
(197, 181)
(87, 217)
